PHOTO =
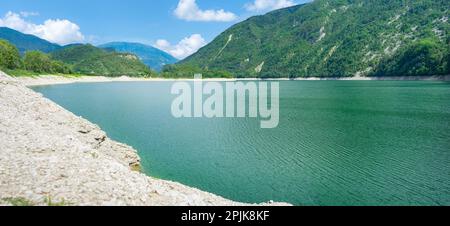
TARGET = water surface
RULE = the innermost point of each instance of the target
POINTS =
(338, 142)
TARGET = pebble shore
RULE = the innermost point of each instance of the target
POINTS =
(50, 156)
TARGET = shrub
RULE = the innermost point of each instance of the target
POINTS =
(9, 56)
(38, 62)
(425, 57)
(60, 67)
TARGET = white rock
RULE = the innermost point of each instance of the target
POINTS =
(51, 157)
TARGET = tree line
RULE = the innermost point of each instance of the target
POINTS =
(33, 61)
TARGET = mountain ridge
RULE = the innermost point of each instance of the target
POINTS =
(27, 42)
(149, 55)
(341, 38)
(90, 60)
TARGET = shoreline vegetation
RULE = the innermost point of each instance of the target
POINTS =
(52, 157)
(85, 62)
(41, 80)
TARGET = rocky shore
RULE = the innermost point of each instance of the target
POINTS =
(54, 80)
(49, 156)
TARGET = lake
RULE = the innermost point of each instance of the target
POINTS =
(337, 143)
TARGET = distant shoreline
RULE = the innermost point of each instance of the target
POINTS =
(56, 79)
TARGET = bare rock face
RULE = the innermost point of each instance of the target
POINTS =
(50, 156)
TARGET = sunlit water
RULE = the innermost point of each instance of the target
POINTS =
(338, 142)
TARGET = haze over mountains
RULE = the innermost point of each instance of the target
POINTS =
(334, 38)
(150, 56)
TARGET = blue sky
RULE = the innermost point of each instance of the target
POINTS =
(156, 22)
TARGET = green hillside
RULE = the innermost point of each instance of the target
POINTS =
(335, 38)
(32, 63)
(90, 60)
(150, 56)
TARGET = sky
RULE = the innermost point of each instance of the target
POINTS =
(179, 27)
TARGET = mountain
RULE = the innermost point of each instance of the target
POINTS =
(25, 42)
(335, 38)
(90, 60)
(152, 57)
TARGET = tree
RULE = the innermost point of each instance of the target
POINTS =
(9, 56)
(60, 67)
(424, 57)
(37, 61)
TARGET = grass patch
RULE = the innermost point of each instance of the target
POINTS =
(136, 168)
(21, 73)
(31, 74)
(49, 202)
(18, 201)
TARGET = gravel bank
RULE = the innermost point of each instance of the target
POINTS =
(54, 80)
(47, 153)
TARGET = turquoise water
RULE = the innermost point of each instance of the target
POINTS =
(338, 142)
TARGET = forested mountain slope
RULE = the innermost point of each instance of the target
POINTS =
(335, 38)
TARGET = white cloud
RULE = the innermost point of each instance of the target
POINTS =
(267, 5)
(184, 48)
(28, 14)
(189, 10)
(57, 31)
